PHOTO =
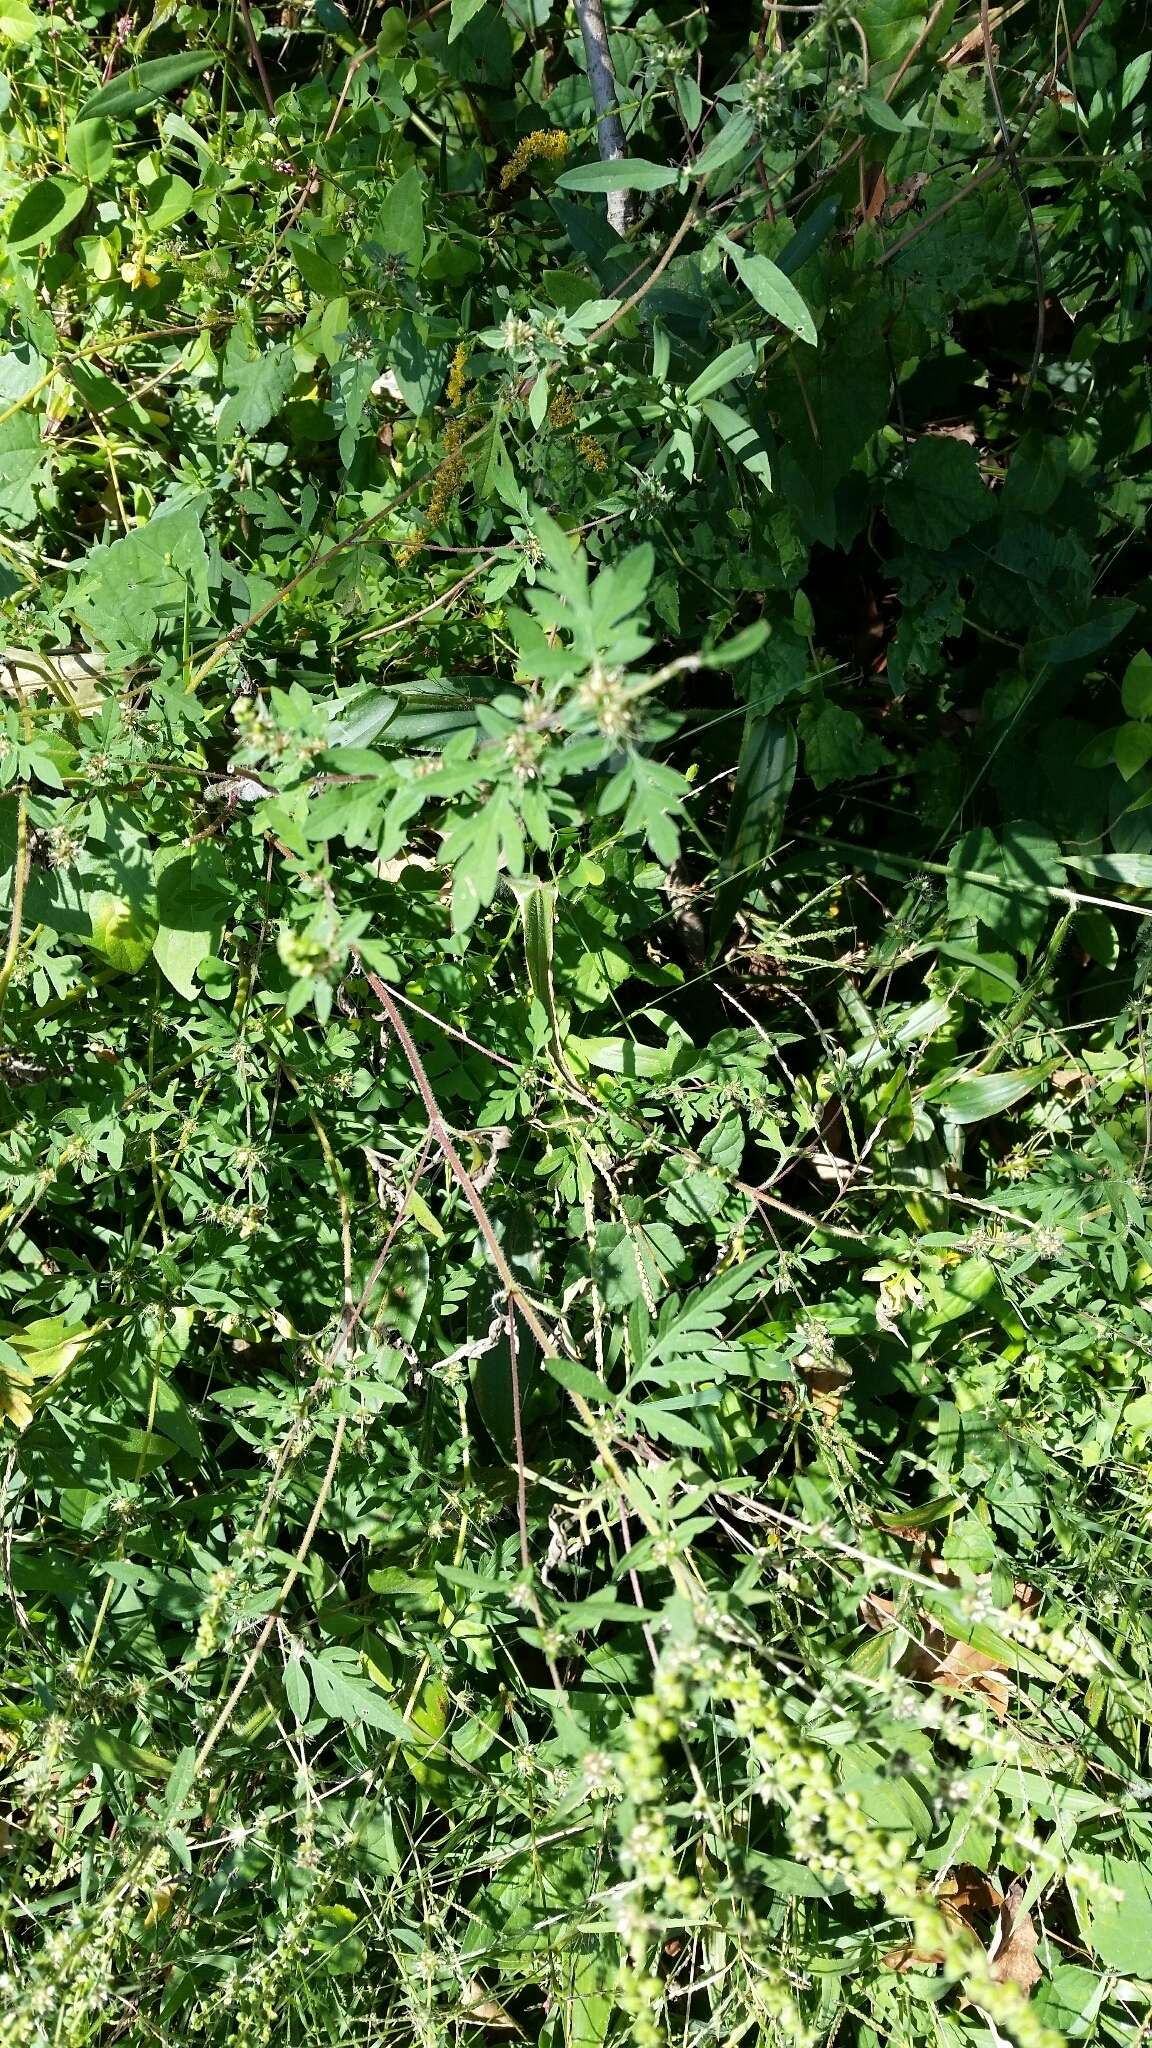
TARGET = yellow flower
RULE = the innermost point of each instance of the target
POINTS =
(407, 554)
(450, 474)
(137, 274)
(446, 482)
(457, 375)
(549, 144)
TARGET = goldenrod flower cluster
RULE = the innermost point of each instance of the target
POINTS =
(561, 413)
(457, 376)
(544, 144)
(449, 477)
(592, 452)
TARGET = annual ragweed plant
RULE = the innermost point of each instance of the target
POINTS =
(575, 846)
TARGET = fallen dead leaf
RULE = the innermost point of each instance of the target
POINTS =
(826, 1380)
(968, 1896)
(971, 46)
(963, 1669)
(483, 2010)
(876, 185)
(909, 1958)
(74, 678)
(1012, 1958)
(161, 1905)
(936, 1658)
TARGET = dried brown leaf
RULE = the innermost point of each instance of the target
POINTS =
(970, 48)
(482, 2009)
(1014, 1960)
(964, 1669)
(878, 1612)
(909, 1958)
(825, 1380)
(939, 1659)
(969, 1894)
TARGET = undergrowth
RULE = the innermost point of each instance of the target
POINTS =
(576, 849)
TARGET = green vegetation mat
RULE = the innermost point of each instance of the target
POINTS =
(575, 978)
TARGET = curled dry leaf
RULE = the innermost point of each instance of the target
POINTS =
(936, 1658)
(967, 1896)
(825, 1377)
(970, 1895)
(74, 677)
(482, 2009)
(907, 1957)
(963, 1669)
(970, 1898)
(970, 48)
(1012, 1957)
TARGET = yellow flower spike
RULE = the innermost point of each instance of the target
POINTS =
(549, 145)
(457, 375)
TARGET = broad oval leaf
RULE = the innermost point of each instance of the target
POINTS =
(735, 135)
(89, 150)
(812, 232)
(343, 1693)
(629, 174)
(1136, 689)
(765, 773)
(577, 1379)
(123, 931)
(1132, 749)
(462, 12)
(878, 114)
(741, 437)
(297, 1690)
(168, 199)
(44, 213)
(1116, 1912)
(623, 1056)
(18, 22)
(1121, 870)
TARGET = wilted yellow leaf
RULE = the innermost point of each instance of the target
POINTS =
(15, 1407)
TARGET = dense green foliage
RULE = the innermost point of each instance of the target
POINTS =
(575, 856)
